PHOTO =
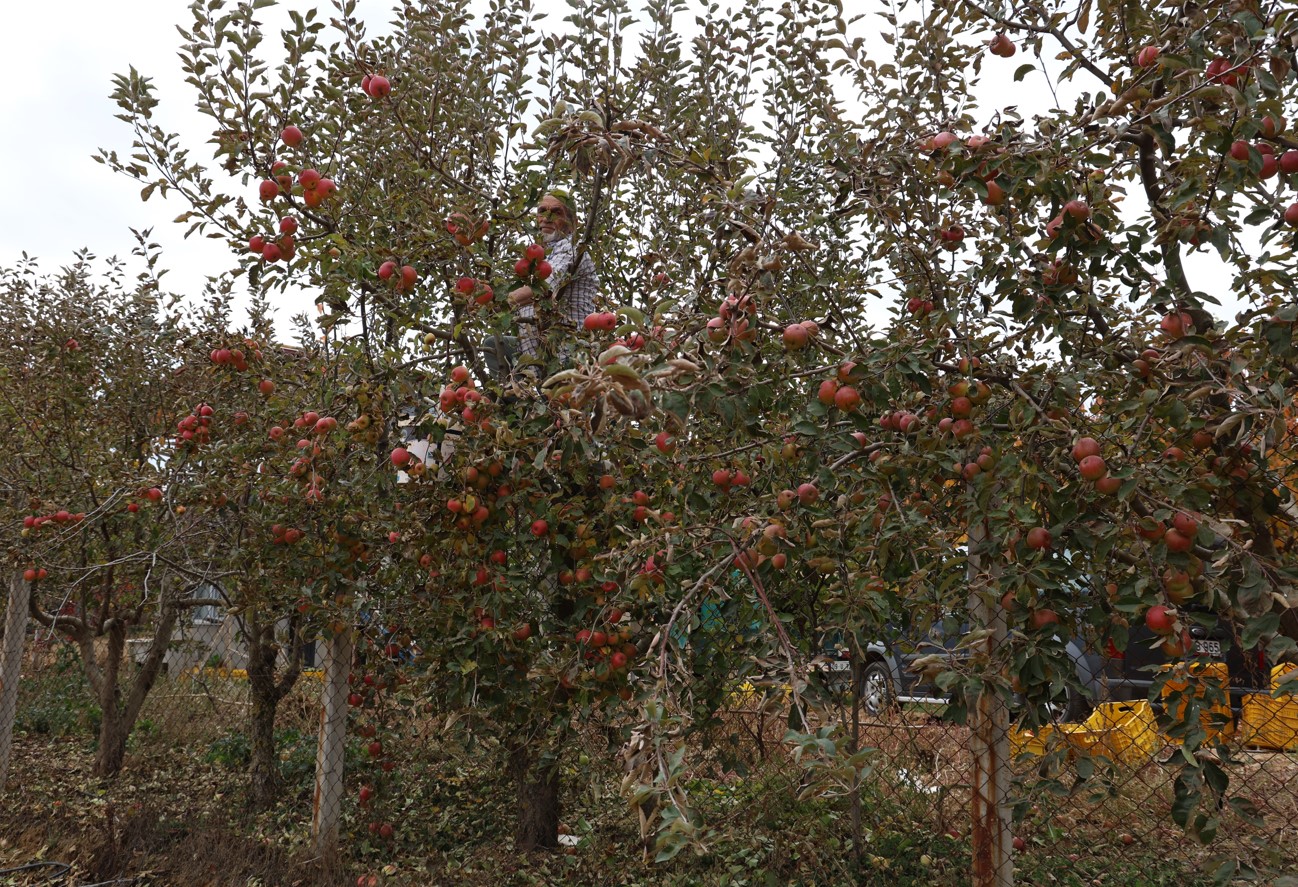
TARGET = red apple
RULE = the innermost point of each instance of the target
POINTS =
(1002, 46)
(1085, 446)
(291, 136)
(1185, 524)
(1092, 468)
(944, 140)
(665, 443)
(1077, 210)
(1160, 619)
(846, 398)
(540, 528)
(1176, 324)
(1150, 529)
(380, 86)
(400, 456)
(795, 337)
(1038, 538)
(1147, 57)
(808, 494)
(1177, 541)
(1044, 617)
(268, 190)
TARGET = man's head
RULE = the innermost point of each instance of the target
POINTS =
(554, 215)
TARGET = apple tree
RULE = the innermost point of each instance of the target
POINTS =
(97, 368)
(867, 355)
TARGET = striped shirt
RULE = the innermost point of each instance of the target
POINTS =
(577, 291)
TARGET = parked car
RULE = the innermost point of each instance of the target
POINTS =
(886, 676)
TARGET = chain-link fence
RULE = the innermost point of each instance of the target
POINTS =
(1191, 780)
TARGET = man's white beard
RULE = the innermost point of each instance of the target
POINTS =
(553, 236)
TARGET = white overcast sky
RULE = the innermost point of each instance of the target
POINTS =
(57, 59)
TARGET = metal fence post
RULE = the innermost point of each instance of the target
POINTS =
(11, 657)
(989, 720)
(327, 808)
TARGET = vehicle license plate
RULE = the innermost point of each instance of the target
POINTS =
(1208, 648)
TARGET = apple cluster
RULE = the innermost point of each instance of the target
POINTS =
(465, 230)
(733, 321)
(463, 395)
(797, 336)
(34, 522)
(233, 357)
(314, 188)
(272, 250)
(376, 86)
(478, 292)
(601, 321)
(840, 392)
(533, 263)
(195, 428)
(400, 277)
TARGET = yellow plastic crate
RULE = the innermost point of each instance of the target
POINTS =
(1029, 743)
(1278, 673)
(1270, 721)
(1217, 718)
(1124, 732)
(749, 693)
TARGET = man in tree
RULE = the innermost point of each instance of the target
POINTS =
(573, 288)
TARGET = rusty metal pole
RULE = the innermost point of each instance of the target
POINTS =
(330, 749)
(11, 657)
(989, 720)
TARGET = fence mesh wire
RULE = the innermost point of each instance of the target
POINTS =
(1095, 800)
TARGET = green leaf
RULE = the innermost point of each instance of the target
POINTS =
(1023, 71)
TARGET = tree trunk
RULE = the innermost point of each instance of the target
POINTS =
(537, 823)
(11, 657)
(112, 730)
(118, 714)
(264, 769)
(267, 693)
